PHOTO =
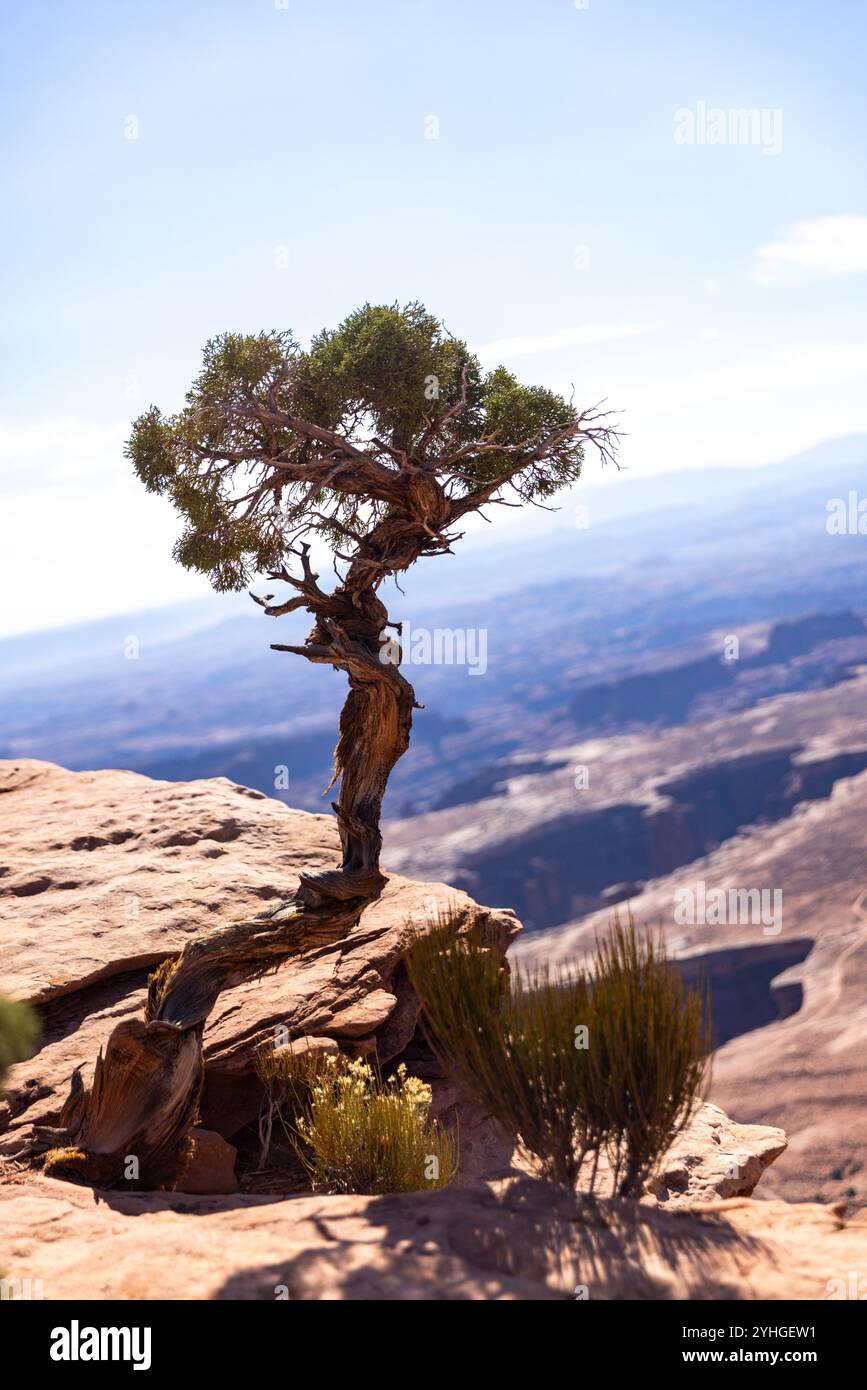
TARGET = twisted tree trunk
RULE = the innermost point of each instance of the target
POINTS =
(391, 501)
(133, 1125)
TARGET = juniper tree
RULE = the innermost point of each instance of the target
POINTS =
(380, 440)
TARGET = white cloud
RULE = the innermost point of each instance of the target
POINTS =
(79, 536)
(822, 246)
(566, 337)
(744, 411)
(35, 454)
(795, 368)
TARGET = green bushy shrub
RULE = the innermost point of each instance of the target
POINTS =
(650, 1047)
(512, 1050)
(577, 1064)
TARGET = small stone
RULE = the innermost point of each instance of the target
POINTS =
(211, 1168)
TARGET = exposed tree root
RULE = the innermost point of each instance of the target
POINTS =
(133, 1125)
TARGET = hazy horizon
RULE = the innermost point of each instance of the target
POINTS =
(597, 486)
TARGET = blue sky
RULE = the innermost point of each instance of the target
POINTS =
(282, 172)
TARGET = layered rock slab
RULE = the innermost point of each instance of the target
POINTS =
(105, 874)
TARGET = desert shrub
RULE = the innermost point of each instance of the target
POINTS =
(625, 1086)
(289, 1078)
(650, 1047)
(354, 1131)
(18, 1031)
(513, 1050)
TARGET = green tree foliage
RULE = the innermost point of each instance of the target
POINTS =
(276, 442)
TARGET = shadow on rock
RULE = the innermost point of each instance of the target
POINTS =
(519, 1239)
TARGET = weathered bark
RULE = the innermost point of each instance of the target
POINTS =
(374, 732)
(146, 1089)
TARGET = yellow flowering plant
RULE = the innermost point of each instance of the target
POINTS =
(357, 1132)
